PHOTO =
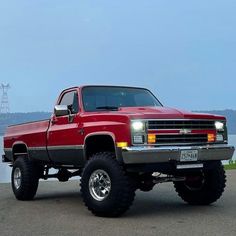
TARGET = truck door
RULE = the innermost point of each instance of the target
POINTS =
(64, 139)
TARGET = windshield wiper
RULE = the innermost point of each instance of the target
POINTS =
(109, 108)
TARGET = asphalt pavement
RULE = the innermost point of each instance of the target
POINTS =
(58, 209)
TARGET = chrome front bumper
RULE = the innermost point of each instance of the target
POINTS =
(145, 154)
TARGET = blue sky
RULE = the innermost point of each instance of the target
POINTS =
(184, 51)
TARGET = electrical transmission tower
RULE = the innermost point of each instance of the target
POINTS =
(4, 109)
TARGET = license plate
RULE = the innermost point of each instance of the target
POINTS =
(189, 155)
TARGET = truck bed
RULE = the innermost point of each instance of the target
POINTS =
(32, 134)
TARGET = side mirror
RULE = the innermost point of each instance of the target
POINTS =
(61, 110)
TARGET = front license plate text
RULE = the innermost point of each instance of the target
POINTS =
(189, 155)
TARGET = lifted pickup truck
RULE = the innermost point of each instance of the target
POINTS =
(119, 139)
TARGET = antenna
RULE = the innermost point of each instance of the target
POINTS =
(5, 108)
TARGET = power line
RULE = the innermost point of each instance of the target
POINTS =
(5, 107)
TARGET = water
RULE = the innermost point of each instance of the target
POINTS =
(5, 170)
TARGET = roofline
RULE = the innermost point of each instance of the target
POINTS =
(115, 86)
(108, 86)
(70, 88)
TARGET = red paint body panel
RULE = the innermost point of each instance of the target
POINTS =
(64, 133)
(118, 125)
(164, 113)
(32, 134)
(59, 132)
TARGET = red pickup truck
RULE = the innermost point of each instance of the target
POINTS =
(119, 139)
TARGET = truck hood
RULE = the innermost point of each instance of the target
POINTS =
(164, 113)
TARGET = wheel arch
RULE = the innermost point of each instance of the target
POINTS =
(19, 149)
(99, 142)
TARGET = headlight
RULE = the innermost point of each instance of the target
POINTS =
(219, 125)
(138, 126)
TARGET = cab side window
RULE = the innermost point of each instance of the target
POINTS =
(70, 99)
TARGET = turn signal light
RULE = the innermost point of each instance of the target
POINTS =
(211, 137)
(122, 144)
(151, 138)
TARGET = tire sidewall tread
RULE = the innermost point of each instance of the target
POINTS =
(29, 181)
(122, 194)
(213, 188)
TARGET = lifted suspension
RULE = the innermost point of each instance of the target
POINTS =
(63, 174)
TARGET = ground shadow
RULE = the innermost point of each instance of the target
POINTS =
(144, 205)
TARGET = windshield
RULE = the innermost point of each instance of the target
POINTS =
(111, 98)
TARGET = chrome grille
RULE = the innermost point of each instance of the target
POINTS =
(180, 124)
(181, 138)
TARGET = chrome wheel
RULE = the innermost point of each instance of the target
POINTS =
(17, 178)
(99, 185)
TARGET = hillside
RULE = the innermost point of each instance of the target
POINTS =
(16, 118)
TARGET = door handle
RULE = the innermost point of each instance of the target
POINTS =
(53, 121)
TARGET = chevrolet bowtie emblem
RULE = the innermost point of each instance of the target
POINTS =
(185, 131)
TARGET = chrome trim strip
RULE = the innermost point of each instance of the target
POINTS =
(23, 153)
(189, 166)
(68, 166)
(7, 149)
(141, 155)
(193, 119)
(163, 126)
(179, 144)
(175, 148)
(177, 130)
(49, 148)
(151, 149)
(37, 148)
(68, 147)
